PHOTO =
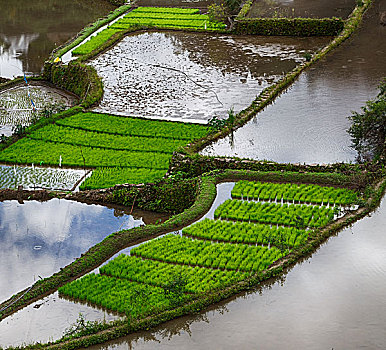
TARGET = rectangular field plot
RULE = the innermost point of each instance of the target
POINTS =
(272, 213)
(123, 149)
(244, 232)
(267, 191)
(158, 273)
(182, 250)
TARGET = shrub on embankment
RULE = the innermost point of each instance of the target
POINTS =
(78, 78)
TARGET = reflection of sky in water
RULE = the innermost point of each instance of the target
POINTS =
(39, 238)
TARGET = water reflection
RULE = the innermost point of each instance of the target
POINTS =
(31, 29)
(308, 123)
(193, 76)
(38, 238)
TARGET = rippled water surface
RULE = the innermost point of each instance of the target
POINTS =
(31, 29)
(333, 300)
(308, 123)
(193, 76)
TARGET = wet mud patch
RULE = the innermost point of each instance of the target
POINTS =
(192, 77)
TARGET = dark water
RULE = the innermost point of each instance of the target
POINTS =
(193, 76)
(308, 123)
(333, 300)
(31, 29)
(38, 238)
(302, 8)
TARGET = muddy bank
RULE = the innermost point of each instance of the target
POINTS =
(193, 76)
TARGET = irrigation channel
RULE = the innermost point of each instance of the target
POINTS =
(163, 75)
(308, 123)
(31, 29)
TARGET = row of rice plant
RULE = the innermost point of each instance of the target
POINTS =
(57, 133)
(159, 17)
(294, 193)
(122, 149)
(157, 273)
(273, 213)
(245, 232)
(121, 295)
(127, 126)
(183, 250)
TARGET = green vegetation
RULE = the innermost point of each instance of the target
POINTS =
(245, 232)
(156, 273)
(167, 18)
(272, 213)
(314, 194)
(122, 149)
(182, 250)
(94, 42)
(136, 300)
(368, 129)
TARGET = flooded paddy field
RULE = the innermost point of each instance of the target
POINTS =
(192, 77)
(308, 123)
(31, 29)
(334, 299)
(301, 8)
(40, 178)
(38, 238)
(16, 107)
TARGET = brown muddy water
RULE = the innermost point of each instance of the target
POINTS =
(332, 300)
(38, 238)
(31, 29)
(302, 8)
(192, 77)
(308, 123)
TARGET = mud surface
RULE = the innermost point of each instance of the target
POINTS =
(192, 76)
(308, 123)
(302, 8)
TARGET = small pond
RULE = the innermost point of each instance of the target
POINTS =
(308, 123)
(16, 107)
(193, 76)
(31, 29)
(301, 8)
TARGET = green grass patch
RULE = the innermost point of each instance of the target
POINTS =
(94, 42)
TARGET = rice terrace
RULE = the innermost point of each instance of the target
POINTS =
(192, 174)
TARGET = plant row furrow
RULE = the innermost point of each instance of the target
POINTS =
(158, 273)
(300, 216)
(182, 250)
(294, 193)
(247, 233)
